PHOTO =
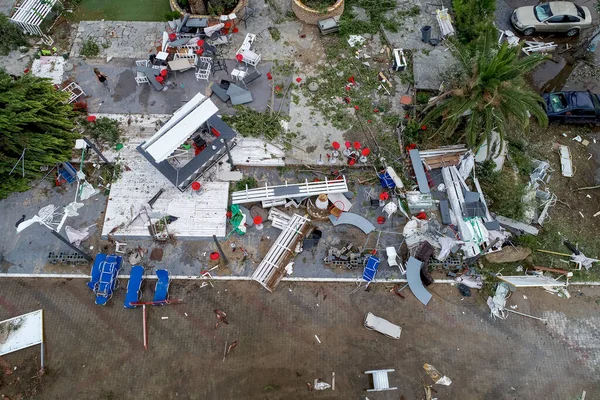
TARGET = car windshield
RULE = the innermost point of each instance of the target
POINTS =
(542, 12)
(580, 12)
(558, 102)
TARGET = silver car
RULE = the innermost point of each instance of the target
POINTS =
(555, 16)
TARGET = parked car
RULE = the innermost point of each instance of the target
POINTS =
(573, 107)
(551, 17)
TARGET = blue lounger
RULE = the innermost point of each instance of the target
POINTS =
(95, 273)
(162, 285)
(371, 268)
(133, 287)
(109, 269)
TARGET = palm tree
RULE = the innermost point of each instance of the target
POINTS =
(488, 91)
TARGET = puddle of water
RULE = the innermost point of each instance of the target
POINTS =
(125, 86)
(552, 75)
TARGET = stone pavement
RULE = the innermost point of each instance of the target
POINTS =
(6, 6)
(96, 352)
(120, 39)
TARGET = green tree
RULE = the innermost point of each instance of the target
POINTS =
(487, 92)
(471, 17)
(11, 35)
(33, 115)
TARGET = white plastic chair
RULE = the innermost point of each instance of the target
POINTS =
(392, 259)
(203, 69)
(141, 78)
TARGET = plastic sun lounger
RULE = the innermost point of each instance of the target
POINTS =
(371, 268)
(382, 326)
(95, 273)
(133, 287)
(109, 269)
(162, 285)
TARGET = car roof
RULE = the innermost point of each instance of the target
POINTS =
(563, 8)
(579, 99)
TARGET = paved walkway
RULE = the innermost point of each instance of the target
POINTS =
(96, 352)
(6, 6)
(120, 39)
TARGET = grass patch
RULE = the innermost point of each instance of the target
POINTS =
(118, 10)
(247, 181)
(504, 190)
(275, 34)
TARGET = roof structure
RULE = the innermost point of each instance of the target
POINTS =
(197, 117)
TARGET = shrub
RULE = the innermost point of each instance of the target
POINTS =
(471, 17)
(89, 49)
(104, 130)
(11, 35)
(171, 15)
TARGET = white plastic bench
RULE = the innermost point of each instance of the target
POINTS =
(380, 380)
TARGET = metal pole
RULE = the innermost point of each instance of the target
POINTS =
(145, 321)
(220, 250)
(228, 153)
(526, 315)
(93, 147)
(17, 163)
(81, 252)
(42, 344)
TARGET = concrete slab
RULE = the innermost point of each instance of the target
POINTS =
(124, 96)
(200, 214)
(428, 67)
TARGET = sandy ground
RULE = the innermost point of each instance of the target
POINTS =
(95, 352)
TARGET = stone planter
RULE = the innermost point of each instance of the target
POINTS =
(212, 18)
(311, 16)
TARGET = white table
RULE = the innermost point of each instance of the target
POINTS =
(239, 74)
(162, 55)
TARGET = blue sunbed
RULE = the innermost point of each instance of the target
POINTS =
(162, 285)
(371, 269)
(109, 269)
(95, 273)
(67, 172)
(133, 287)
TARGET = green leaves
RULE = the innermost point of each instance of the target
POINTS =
(33, 115)
(11, 35)
(489, 91)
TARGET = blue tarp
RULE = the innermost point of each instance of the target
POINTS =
(386, 180)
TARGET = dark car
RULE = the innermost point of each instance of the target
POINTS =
(573, 107)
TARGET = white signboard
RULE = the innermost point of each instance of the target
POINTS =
(21, 332)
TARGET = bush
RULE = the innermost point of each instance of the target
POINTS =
(12, 37)
(104, 130)
(471, 17)
(171, 15)
(89, 49)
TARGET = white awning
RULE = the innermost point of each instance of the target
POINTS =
(180, 127)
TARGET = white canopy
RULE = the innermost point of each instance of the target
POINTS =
(180, 127)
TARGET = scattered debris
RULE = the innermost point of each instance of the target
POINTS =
(320, 385)
(435, 375)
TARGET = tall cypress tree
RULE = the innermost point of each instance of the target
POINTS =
(33, 115)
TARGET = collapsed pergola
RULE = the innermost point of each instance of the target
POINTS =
(30, 15)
